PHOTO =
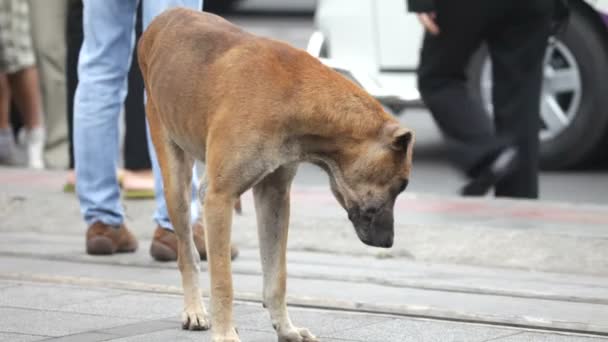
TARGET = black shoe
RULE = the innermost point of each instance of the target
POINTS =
(501, 166)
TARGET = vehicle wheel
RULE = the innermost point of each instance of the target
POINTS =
(574, 101)
(219, 6)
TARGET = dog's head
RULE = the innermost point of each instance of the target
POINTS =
(369, 177)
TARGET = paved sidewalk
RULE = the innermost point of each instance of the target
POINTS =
(42, 311)
(461, 270)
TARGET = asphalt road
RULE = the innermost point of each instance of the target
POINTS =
(293, 23)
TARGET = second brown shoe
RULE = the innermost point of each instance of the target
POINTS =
(164, 244)
(103, 239)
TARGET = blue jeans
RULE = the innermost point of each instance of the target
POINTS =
(103, 66)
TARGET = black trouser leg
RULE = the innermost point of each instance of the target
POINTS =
(136, 145)
(442, 82)
(517, 50)
(74, 41)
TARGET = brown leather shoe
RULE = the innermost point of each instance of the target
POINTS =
(103, 239)
(164, 244)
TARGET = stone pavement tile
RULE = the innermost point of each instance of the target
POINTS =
(8, 337)
(53, 323)
(241, 312)
(141, 307)
(6, 283)
(48, 297)
(141, 328)
(177, 334)
(548, 337)
(415, 330)
(319, 323)
(325, 323)
(84, 337)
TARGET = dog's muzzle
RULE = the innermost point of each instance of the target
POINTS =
(374, 227)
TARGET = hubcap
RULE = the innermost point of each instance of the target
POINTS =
(561, 89)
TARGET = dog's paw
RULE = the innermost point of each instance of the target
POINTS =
(298, 335)
(195, 320)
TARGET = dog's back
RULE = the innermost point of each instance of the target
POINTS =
(195, 60)
(176, 51)
(200, 69)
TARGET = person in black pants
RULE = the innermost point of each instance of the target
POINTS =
(137, 179)
(502, 153)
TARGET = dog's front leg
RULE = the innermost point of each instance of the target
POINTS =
(272, 209)
(218, 221)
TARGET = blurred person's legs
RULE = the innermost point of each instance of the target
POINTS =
(443, 84)
(17, 61)
(517, 51)
(48, 21)
(103, 66)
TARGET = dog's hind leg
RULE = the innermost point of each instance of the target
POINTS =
(176, 168)
(272, 208)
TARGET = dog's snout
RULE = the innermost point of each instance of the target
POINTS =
(353, 214)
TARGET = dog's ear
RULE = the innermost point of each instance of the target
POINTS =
(396, 137)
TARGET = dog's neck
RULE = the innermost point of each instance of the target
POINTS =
(329, 134)
(328, 145)
(341, 116)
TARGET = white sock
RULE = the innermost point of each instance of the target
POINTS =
(33, 140)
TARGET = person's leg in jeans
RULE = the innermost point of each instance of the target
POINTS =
(517, 49)
(103, 66)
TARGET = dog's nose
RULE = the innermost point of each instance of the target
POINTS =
(383, 240)
(388, 242)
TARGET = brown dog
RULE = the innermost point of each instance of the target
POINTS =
(253, 108)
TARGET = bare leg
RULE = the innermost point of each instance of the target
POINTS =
(26, 92)
(272, 208)
(7, 141)
(176, 168)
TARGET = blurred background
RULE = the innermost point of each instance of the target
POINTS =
(384, 54)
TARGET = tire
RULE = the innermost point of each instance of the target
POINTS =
(581, 48)
(219, 6)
